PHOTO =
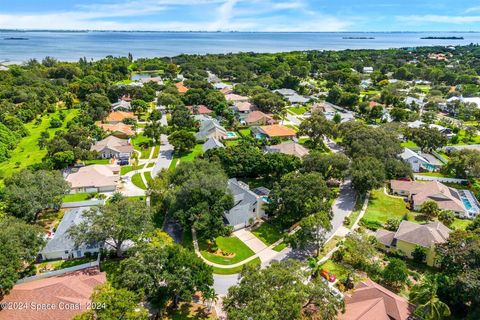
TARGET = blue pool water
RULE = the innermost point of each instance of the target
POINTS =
(231, 134)
(467, 203)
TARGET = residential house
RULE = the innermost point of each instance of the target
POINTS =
(212, 143)
(59, 297)
(371, 301)
(213, 78)
(419, 162)
(329, 110)
(228, 89)
(248, 204)
(243, 107)
(418, 193)
(200, 109)
(275, 130)
(367, 70)
(258, 118)
(121, 105)
(410, 235)
(61, 245)
(156, 80)
(94, 178)
(292, 96)
(290, 147)
(418, 124)
(222, 87)
(119, 116)
(113, 147)
(410, 101)
(120, 130)
(210, 128)
(236, 98)
(437, 56)
(181, 87)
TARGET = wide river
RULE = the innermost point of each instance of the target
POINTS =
(17, 46)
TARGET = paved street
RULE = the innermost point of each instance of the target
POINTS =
(165, 156)
(342, 206)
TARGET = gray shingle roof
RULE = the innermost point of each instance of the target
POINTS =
(423, 235)
(212, 143)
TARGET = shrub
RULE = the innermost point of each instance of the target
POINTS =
(392, 224)
(419, 254)
(55, 123)
(370, 224)
(346, 221)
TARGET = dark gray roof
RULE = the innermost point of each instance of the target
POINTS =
(212, 143)
(244, 201)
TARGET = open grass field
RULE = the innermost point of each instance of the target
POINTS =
(27, 151)
(137, 181)
(231, 245)
(226, 271)
(382, 207)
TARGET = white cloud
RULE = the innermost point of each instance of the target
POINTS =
(473, 9)
(422, 19)
(205, 15)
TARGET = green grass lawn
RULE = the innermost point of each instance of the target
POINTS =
(268, 233)
(137, 141)
(356, 211)
(460, 224)
(137, 181)
(97, 161)
(127, 169)
(245, 132)
(226, 271)
(434, 174)
(148, 177)
(230, 143)
(190, 156)
(338, 270)
(230, 245)
(299, 110)
(156, 151)
(27, 151)
(173, 164)
(461, 136)
(190, 311)
(76, 197)
(330, 245)
(382, 207)
(409, 144)
(150, 165)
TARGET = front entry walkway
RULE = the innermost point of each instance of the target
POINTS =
(261, 250)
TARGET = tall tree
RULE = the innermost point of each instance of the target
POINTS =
(316, 127)
(367, 173)
(330, 165)
(296, 196)
(430, 209)
(424, 296)
(182, 140)
(114, 223)
(29, 193)
(281, 291)
(170, 274)
(19, 245)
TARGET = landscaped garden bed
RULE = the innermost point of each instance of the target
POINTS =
(228, 250)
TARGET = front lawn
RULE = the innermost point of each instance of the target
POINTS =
(299, 110)
(337, 269)
(148, 177)
(190, 156)
(138, 181)
(76, 197)
(227, 271)
(126, 169)
(460, 224)
(173, 164)
(409, 144)
(268, 233)
(230, 246)
(97, 161)
(381, 207)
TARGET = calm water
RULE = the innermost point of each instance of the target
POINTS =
(93, 45)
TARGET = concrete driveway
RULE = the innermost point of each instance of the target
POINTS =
(258, 247)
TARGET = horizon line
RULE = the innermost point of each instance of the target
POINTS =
(223, 31)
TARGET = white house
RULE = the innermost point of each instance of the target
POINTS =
(248, 204)
(418, 161)
(367, 70)
(61, 245)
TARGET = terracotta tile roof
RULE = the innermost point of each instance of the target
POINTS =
(97, 175)
(181, 87)
(371, 301)
(70, 288)
(200, 109)
(256, 116)
(118, 127)
(276, 130)
(119, 116)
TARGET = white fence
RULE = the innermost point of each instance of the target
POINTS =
(91, 264)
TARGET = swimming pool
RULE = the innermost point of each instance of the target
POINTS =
(231, 135)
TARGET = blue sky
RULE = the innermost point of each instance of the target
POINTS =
(243, 15)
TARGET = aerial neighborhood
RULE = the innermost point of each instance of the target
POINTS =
(312, 184)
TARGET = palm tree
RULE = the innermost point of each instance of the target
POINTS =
(429, 306)
(211, 296)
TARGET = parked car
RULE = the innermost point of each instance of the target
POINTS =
(327, 275)
(123, 162)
